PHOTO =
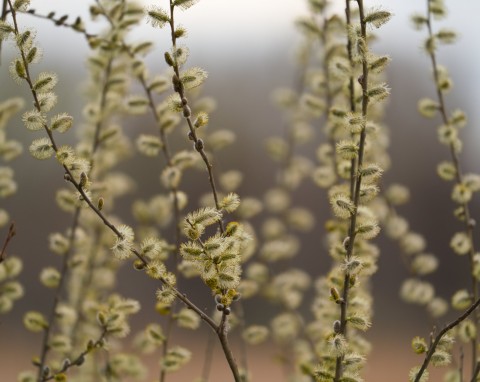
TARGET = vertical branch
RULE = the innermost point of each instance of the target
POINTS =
(356, 182)
(440, 335)
(469, 223)
(3, 18)
(198, 143)
(10, 234)
(207, 362)
(351, 86)
(223, 337)
(57, 297)
(200, 148)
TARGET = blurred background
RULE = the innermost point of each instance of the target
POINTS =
(248, 47)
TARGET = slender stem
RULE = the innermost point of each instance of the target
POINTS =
(223, 337)
(358, 182)
(103, 102)
(85, 285)
(476, 372)
(351, 88)
(243, 347)
(3, 18)
(199, 147)
(440, 335)
(56, 299)
(468, 222)
(198, 143)
(207, 362)
(10, 234)
(328, 89)
(163, 372)
(80, 358)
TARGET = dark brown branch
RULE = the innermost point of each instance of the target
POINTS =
(468, 222)
(356, 179)
(10, 234)
(80, 359)
(439, 336)
(198, 143)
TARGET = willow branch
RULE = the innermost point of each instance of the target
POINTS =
(468, 221)
(357, 180)
(439, 336)
(198, 143)
(10, 234)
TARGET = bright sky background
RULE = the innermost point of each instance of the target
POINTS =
(256, 39)
(260, 24)
(251, 36)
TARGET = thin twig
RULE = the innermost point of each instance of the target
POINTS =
(3, 18)
(476, 372)
(198, 143)
(468, 222)
(223, 337)
(357, 180)
(56, 299)
(79, 360)
(462, 359)
(439, 336)
(10, 234)
(207, 362)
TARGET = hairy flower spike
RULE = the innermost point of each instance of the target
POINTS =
(419, 21)
(342, 205)
(412, 375)
(123, 246)
(446, 170)
(157, 17)
(347, 149)
(175, 358)
(45, 82)
(368, 229)
(34, 120)
(437, 8)
(47, 101)
(41, 148)
(17, 70)
(156, 270)
(378, 64)
(61, 122)
(379, 92)
(377, 18)
(359, 322)
(460, 243)
(428, 108)
(230, 202)
(184, 4)
(461, 300)
(5, 30)
(338, 345)
(159, 84)
(255, 334)
(441, 358)
(187, 319)
(424, 264)
(35, 321)
(149, 145)
(419, 345)
(201, 120)
(458, 118)
(193, 77)
(50, 277)
(205, 216)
